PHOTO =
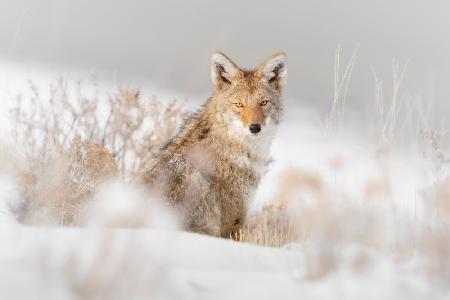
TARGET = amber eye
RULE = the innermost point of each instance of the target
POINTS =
(263, 103)
(239, 104)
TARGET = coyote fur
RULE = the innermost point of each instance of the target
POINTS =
(211, 169)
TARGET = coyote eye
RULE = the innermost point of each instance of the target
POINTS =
(263, 103)
(239, 104)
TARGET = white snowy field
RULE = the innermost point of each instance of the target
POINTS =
(391, 195)
(63, 263)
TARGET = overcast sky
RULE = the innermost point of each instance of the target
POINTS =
(168, 43)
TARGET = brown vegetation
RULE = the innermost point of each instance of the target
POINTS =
(69, 149)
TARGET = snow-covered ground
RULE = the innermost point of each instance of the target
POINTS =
(62, 263)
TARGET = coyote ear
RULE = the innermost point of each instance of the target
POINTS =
(274, 70)
(223, 70)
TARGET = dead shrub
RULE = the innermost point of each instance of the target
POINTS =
(73, 139)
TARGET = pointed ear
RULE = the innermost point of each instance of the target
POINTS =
(274, 70)
(223, 70)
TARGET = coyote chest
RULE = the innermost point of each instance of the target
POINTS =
(236, 181)
(209, 183)
(211, 169)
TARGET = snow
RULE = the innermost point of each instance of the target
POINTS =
(9, 196)
(118, 204)
(48, 263)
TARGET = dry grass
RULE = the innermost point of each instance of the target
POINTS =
(55, 193)
(274, 225)
(323, 222)
(387, 111)
(72, 140)
(340, 88)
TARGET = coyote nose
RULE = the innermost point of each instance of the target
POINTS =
(255, 128)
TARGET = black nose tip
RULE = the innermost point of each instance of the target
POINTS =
(255, 128)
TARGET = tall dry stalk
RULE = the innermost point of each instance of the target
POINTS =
(387, 113)
(341, 82)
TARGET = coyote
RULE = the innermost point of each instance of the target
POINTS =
(211, 169)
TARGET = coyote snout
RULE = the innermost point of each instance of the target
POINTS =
(211, 169)
(253, 116)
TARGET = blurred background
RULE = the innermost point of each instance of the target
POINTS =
(165, 46)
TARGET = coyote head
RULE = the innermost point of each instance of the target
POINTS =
(248, 102)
